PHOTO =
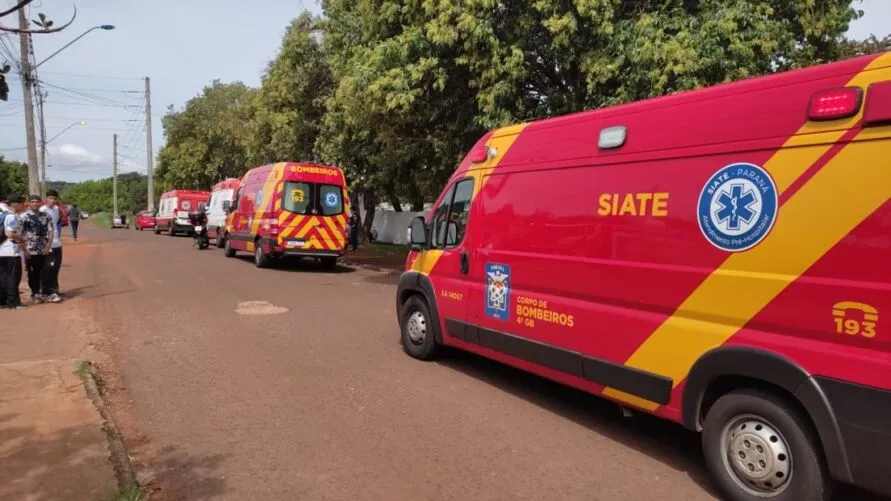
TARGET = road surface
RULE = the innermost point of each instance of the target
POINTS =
(320, 403)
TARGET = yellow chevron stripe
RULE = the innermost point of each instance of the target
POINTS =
(501, 140)
(310, 224)
(337, 234)
(806, 228)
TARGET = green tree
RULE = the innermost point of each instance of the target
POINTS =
(207, 140)
(871, 45)
(13, 178)
(290, 104)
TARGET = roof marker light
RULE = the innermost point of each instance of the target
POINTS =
(835, 104)
(878, 104)
(612, 137)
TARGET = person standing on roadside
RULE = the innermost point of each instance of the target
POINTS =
(74, 217)
(55, 258)
(37, 228)
(10, 254)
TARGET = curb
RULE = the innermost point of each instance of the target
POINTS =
(120, 461)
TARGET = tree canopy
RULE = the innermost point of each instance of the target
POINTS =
(395, 91)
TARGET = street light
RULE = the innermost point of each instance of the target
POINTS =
(65, 129)
(43, 152)
(106, 27)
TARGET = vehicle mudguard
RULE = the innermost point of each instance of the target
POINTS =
(412, 282)
(776, 370)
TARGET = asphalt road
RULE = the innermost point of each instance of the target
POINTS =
(320, 403)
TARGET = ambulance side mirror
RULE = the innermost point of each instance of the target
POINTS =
(417, 234)
(227, 206)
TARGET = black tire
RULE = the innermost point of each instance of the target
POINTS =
(329, 263)
(171, 231)
(428, 348)
(809, 478)
(157, 230)
(220, 241)
(261, 259)
(228, 250)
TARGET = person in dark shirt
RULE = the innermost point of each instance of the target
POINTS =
(74, 217)
(37, 229)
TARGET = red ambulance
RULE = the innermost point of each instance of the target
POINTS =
(173, 210)
(720, 258)
(289, 209)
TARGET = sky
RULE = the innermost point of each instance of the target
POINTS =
(181, 46)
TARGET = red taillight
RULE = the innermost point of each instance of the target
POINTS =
(834, 104)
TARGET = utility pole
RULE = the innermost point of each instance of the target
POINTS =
(40, 96)
(114, 178)
(148, 146)
(27, 86)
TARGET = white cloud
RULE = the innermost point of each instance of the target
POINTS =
(73, 154)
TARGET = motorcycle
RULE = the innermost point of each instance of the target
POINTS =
(199, 232)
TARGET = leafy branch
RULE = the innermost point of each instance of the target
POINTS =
(44, 23)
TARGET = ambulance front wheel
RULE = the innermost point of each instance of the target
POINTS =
(228, 250)
(759, 448)
(418, 337)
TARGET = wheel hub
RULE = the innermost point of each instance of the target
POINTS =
(417, 328)
(757, 455)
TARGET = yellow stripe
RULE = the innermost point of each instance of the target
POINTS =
(839, 197)
(792, 247)
(814, 139)
(501, 140)
(268, 193)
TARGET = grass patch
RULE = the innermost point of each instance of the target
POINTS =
(83, 368)
(131, 492)
(377, 249)
(101, 219)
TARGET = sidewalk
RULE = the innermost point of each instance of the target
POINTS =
(52, 445)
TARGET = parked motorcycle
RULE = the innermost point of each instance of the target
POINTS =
(199, 228)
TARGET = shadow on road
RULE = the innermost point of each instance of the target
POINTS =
(299, 265)
(184, 477)
(662, 440)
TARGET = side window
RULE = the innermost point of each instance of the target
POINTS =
(450, 219)
(459, 213)
(440, 217)
(238, 199)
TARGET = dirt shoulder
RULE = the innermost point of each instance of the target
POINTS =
(383, 257)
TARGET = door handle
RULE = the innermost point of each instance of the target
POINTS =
(465, 262)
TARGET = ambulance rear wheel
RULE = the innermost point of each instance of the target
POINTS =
(418, 338)
(261, 259)
(758, 447)
(329, 263)
(228, 250)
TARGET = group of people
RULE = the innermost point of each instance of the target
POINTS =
(31, 240)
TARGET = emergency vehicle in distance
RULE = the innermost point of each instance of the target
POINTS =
(718, 258)
(289, 209)
(173, 210)
(222, 192)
